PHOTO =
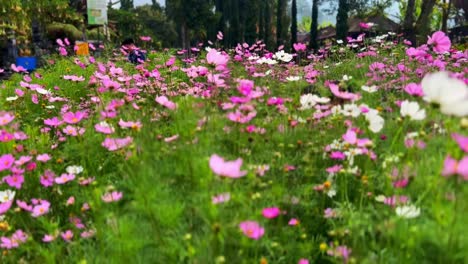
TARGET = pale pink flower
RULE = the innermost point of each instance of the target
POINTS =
(230, 169)
(252, 229)
(112, 197)
(164, 101)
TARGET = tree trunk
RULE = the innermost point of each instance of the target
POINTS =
(423, 26)
(408, 24)
(261, 24)
(268, 11)
(293, 22)
(342, 20)
(279, 23)
(314, 26)
(445, 15)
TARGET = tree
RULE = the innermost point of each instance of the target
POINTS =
(126, 4)
(314, 26)
(252, 19)
(342, 20)
(280, 14)
(446, 7)
(408, 23)
(293, 22)
(267, 26)
(423, 23)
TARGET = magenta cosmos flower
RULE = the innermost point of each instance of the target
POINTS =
(452, 167)
(230, 169)
(462, 141)
(271, 212)
(252, 229)
(440, 42)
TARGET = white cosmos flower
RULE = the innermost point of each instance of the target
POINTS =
(412, 110)
(12, 98)
(293, 78)
(75, 170)
(351, 110)
(6, 196)
(50, 106)
(347, 77)
(369, 89)
(266, 61)
(339, 41)
(450, 93)
(283, 56)
(408, 211)
(310, 100)
(376, 122)
(42, 91)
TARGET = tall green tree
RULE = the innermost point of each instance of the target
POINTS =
(314, 26)
(252, 20)
(342, 20)
(280, 22)
(126, 4)
(423, 25)
(293, 22)
(268, 13)
(408, 23)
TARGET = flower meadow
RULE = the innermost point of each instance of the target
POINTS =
(355, 154)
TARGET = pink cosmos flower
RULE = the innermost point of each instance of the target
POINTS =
(73, 118)
(14, 241)
(15, 180)
(335, 89)
(252, 229)
(303, 261)
(337, 155)
(48, 178)
(53, 122)
(145, 38)
(67, 235)
(23, 205)
(462, 141)
(5, 137)
(452, 167)
(170, 139)
(221, 198)
(298, 47)
(5, 206)
(43, 157)
(41, 209)
(6, 118)
(48, 238)
(104, 128)
(23, 160)
(217, 58)
(6, 161)
(241, 118)
(293, 222)
(130, 124)
(112, 196)
(245, 87)
(18, 68)
(271, 212)
(350, 137)
(113, 144)
(414, 89)
(230, 169)
(164, 101)
(334, 169)
(64, 178)
(440, 42)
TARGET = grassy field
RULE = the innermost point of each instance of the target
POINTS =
(131, 176)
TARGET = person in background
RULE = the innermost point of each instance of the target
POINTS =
(135, 56)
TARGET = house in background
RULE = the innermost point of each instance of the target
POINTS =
(382, 25)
